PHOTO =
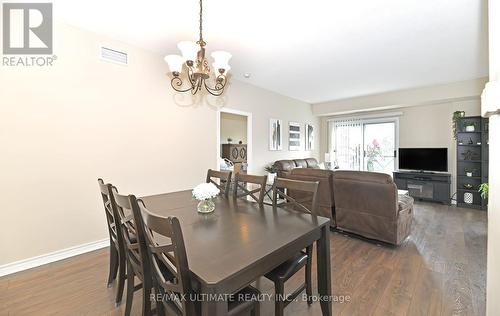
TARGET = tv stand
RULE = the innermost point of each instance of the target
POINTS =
(423, 171)
(425, 186)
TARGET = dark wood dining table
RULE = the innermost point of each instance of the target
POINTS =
(240, 241)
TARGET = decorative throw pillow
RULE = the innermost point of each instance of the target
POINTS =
(321, 166)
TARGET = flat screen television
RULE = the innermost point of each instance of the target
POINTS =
(423, 159)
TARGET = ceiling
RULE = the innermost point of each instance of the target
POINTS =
(316, 50)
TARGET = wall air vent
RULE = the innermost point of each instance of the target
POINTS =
(114, 56)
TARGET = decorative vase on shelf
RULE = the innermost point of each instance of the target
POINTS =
(206, 206)
(468, 173)
(468, 198)
(205, 194)
(470, 128)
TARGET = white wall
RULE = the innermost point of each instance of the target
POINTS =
(64, 126)
(233, 126)
(493, 276)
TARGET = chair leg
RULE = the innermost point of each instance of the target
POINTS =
(121, 279)
(279, 299)
(256, 309)
(308, 275)
(130, 289)
(113, 264)
(160, 309)
(146, 299)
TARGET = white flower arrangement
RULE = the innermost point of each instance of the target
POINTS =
(205, 191)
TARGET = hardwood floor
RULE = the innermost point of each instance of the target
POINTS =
(439, 270)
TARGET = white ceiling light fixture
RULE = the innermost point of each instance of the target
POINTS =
(198, 68)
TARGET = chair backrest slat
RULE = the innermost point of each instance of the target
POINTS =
(111, 212)
(280, 184)
(167, 254)
(132, 235)
(239, 184)
(224, 178)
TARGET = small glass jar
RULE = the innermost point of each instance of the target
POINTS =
(206, 206)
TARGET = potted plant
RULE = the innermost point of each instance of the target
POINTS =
(469, 126)
(229, 140)
(484, 190)
(454, 119)
(272, 172)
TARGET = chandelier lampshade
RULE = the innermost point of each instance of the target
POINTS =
(189, 50)
(175, 63)
(198, 67)
(221, 57)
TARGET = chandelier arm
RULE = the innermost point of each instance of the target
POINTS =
(196, 87)
(190, 76)
(215, 92)
(219, 84)
(176, 81)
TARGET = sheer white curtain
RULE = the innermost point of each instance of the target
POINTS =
(346, 143)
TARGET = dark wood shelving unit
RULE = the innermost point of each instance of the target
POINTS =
(472, 156)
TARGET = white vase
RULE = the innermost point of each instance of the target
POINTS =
(469, 174)
(470, 128)
(271, 177)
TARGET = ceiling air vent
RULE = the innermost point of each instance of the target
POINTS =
(114, 56)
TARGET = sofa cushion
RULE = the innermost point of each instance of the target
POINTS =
(300, 163)
(313, 172)
(285, 165)
(311, 163)
(364, 176)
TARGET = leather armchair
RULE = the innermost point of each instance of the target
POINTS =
(367, 204)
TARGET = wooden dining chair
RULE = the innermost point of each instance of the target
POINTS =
(224, 178)
(138, 264)
(304, 193)
(117, 257)
(171, 274)
(240, 181)
(307, 191)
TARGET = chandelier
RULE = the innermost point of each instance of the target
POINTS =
(198, 68)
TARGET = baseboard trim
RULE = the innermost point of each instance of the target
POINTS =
(29, 263)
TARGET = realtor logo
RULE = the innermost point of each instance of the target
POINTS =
(27, 28)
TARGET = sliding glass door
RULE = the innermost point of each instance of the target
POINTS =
(368, 145)
(379, 141)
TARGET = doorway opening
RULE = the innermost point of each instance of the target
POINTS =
(234, 140)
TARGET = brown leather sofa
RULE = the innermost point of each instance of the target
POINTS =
(367, 204)
(325, 189)
(284, 167)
